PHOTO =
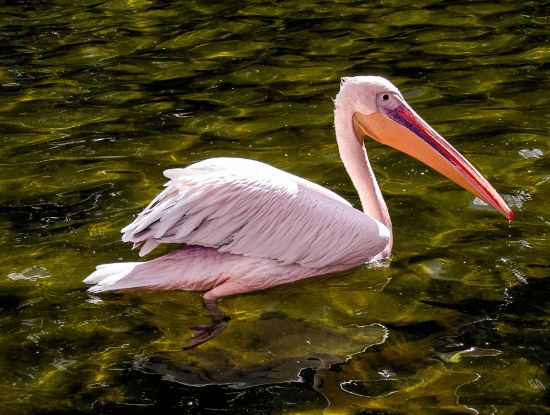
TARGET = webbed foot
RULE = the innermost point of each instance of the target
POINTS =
(203, 333)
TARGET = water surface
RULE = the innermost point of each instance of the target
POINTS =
(99, 97)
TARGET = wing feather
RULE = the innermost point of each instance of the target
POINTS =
(250, 208)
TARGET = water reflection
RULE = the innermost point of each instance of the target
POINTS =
(271, 348)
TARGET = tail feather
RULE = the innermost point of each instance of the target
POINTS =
(185, 269)
(108, 277)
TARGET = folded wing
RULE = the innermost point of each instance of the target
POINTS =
(249, 208)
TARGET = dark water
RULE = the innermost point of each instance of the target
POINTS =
(97, 98)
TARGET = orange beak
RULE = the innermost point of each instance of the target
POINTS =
(404, 130)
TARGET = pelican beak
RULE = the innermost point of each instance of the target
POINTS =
(401, 128)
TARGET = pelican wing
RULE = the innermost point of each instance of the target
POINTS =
(249, 208)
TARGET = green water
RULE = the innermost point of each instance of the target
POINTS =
(99, 97)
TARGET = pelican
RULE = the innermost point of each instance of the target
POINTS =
(247, 226)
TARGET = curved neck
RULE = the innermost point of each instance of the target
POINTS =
(354, 156)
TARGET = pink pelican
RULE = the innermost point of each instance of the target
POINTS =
(248, 226)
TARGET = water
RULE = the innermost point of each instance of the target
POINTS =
(99, 97)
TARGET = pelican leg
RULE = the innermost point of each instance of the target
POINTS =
(203, 333)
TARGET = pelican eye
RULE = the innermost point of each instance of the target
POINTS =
(385, 97)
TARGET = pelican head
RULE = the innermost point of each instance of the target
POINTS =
(381, 112)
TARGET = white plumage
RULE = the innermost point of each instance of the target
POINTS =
(249, 208)
(247, 225)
